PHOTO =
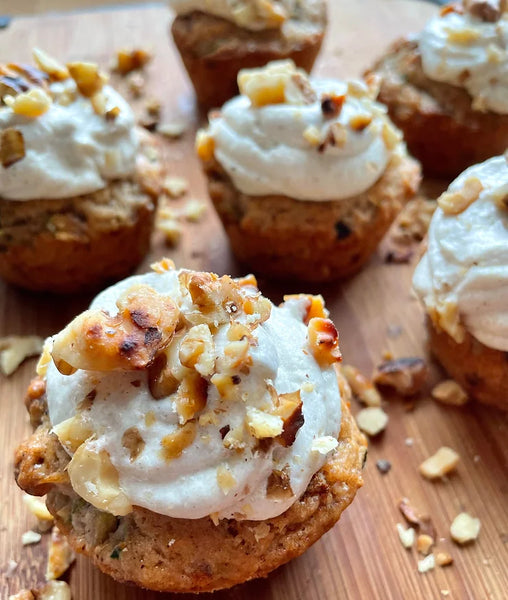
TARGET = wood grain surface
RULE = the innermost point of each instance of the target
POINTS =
(361, 558)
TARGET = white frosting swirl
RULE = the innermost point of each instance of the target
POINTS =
(254, 15)
(187, 487)
(466, 263)
(463, 50)
(264, 150)
(69, 150)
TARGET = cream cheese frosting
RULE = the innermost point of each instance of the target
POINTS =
(463, 50)
(464, 272)
(298, 149)
(70, 149)
(257, 15)
(208, 478)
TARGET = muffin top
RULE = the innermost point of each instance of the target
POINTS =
(467, 45)
(259, 15)
(63, 132)
(191, 395)
(463, 276)
(309, 139)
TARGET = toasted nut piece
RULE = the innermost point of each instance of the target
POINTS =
(312, 135)
(263, 425)
(406, 536)
(173, 129)
(60, 555)
(194, 210)
(73, 432)
(337, 135)
(22, 595)
(153, 107)
(95, 479)
(360, 122)
(30, 537)
(465, 528)
(130, 60)
(406, 376)
(130, 340)
(391, 136)
(133, 442)
(426, 564)
(439, 464)
(372, 420)
(279, 485)
(112, 113)
(197, 350)
(361, 387)
(453, 203)
(289, 409)
(49, 65)
(331, 105)
(324, 341)
(324, 444)
(12, 147)
(266, 85)
(225, 479)
(175, 187)
(33, 103)
(89, 80)
(443, 559)
(136, 84)
(422, 523)
(299, 91)
(175, 443)
(489, 11)
(424, 544)
(54, 590)
(37, 506)
(450, 392)
(171, 228)
(191, 397)
(205, 145)
(166, 264)
(14, 349)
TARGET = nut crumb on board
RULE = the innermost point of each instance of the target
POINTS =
(449, 392)
(14, 349)
(60, 555)
(439, 464)
(53, 590)
(426, 564)
(405, 376)
(372, 420)
(362, 388)
(465, 528)
(30, 537)
(424, 543)
(406, 536)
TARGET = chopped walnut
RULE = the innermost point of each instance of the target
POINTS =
(426, 564)
(360, 122)
(314, 306)
(450, 392)
(49, 65)
(14, 349)
(130, 60)
(262, 424)
(30, 537)
(173, 129)
(324, 444)
(197, 350)
(54, 590)
(465, 528)
(421, 522)
(324, 341)
(205, 145)
(312, 135)
(453, 203)
(175, 187)
(33, 103)
(289, 408)
(424, 544)
(361, 387)
(133, 442)
(439, 464)
(406, 376)
(191, 397)
(406, 536)
(299, 90)
(225, 479)
(89, 80)
(12, 146)
(331, 105)
(130, 340)
(279, 485)
(175, 443)
(166, 264)
(372, 420)
(37, 506)
(194, 210)
(60, 555)
(443, 559)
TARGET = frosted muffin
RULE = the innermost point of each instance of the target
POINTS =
(77, 194)
(447, 88)
(217, 38)
(191, 435)
(306, 174)
(462, 280)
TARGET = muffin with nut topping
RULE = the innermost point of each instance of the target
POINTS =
(306, 174)
(217, 38)
(191, 435)
(447, 87)
(462, 280)
(78, 183)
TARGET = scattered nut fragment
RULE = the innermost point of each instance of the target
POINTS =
(37, 506)
(406, 376)
(443, 559)
(489, 11)
(175, 187)
(225, 479)
(174, 129)
(194, 210)
(450, 392)
(30, 537)
(424, 543)
(279, 485)
(153, 107)
(360, 122)
(60, 555)
(406, 536)
(130, 60)
(133, 442)
(440, 463)
(331, 105)
(136, 84)
(312, 135)
(422, 522)
(383, 466)
(12, 146)
(362, 388)
(175, 443)
(453, 203)
(299, 90)
(465, 528)
(15, 349)
(263, 425)
(426, 564)
(324, 444)
(205, 145)
(89, 79)
(372, 420)
(33, 103)
(323, 341)
(49, 65)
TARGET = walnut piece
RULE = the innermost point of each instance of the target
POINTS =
(60, 555)
(453, 203)
(32, 104)
(88, 78)
(175, 443)
(465, 528)
(361, 387)
(426, 564)
(49, 65)
(450, 392)
(406, 376)
(131, 60)
(225, 479)
(372, 420)
(406, 536)
(424, 543)
(54, 590)
(443, 559)
(324, 341)
(12, 146)
(439, 464)
(14, 349)
(489, 11)
(279, 485)
(133, 442)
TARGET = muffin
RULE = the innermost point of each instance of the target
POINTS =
(306, 174)
(191, 435)
(77, 191)
(447, 88)
(217, 38)
(463, 281)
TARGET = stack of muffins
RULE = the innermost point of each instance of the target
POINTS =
(184, 421)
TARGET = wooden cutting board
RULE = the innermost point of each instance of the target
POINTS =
(362, 557)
